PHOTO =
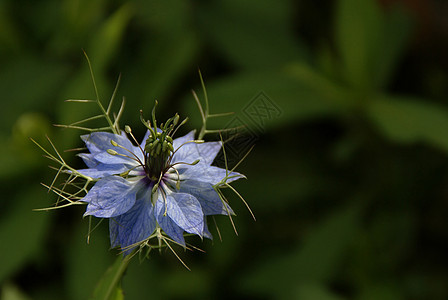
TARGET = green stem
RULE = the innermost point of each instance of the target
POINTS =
(103, 110)
(118, 275)
(109, 283)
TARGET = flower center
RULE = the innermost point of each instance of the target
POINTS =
(159, 145)
(158, 149)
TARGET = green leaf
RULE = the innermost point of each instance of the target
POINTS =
(109, 287)
(394, 39)
(358, 33)
(264, 100)
(10, 37)
(169, 17)
(314, 291)
(106, 41)
(316, 261)
(370, 41)
(144, 276)
(410, 120)
(389, 291)
(163, 58)
(22, 230)
(28, 83)
(12, 292)
(82, 15)
(157, 77)
(18, 156)
(89, 259)
(253, 34)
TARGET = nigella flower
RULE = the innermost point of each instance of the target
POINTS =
(163, 184)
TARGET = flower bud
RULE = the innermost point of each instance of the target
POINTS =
(176, 119)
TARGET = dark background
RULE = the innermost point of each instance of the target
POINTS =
(345, 101)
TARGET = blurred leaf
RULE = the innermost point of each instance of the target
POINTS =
(106, 41)
(21, 229)
(253, 34)
(196, 284)
(313, 292)
(28, 83)
(309, 179)
(160, 68)
(85, 263)
(18, 159)
(380, 291)
(142, 278)
(30, 125)
(169, 17)
(316, 261)
(264, 100)
(19, 155)
(78, 20)
(82, 15)
(11, 292)
(328, 62)
(9, 33)
(426, 284)
(318, 82)
(395, 37)
(410, 120)
(12, 163)
(153, 70)
(370, 41)
(109, 287)
(358, 33)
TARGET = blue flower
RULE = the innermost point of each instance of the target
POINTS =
(161, 184)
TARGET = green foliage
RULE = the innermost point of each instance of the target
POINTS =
(369, 42)
(90, 256)
(22, 230)
(252, 34)
(410, 120)
(11, 292)
(311, 263)
(109, 286)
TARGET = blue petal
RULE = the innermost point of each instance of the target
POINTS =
(206, 233)
(100, 170)
(204, 173)
(209, 199)
(186, 211)
(208, 151)
(99, 142)
(88, 160)
(107, 158)
(110, 197)
(108, 170)
(168, 225)
(135, 225)
(188, 153)
(114, 233)
(183, 139)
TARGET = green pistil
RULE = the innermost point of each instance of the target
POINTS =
(159, 145)
(158, 149)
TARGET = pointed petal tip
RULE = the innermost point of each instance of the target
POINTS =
(86, 214)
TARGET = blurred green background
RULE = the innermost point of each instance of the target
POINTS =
(345, 100)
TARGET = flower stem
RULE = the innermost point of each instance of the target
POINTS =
(108, 286)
